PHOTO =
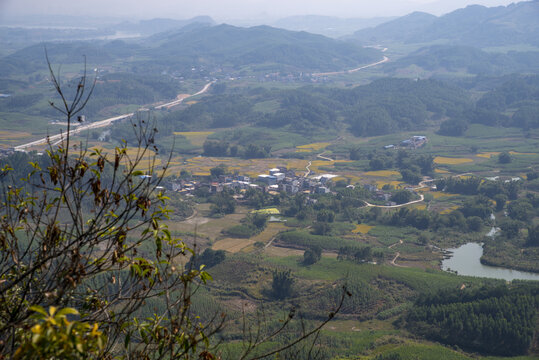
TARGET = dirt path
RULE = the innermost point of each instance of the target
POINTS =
(392, 262)
(323, 157)
(395, 258)
(392, 246)
(307, 168)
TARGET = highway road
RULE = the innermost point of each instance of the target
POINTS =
(103, 123)
(385, 59)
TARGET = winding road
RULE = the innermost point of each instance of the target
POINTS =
(102, 123)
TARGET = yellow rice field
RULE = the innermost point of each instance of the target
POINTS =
(196, 138)
(382, 173)
(362, 228)
(441, 171)
(487, 155)
(232, 245)
(312, 147)
(449, 210)
(438, 194)
(451, 161)
(354, 179)
(272, 211)
(381, 183)
(519, 153)
(269, 232)
(297, 165)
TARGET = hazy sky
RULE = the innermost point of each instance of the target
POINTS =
(232, 9)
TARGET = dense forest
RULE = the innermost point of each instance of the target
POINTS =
(497, 320)
(382, 107)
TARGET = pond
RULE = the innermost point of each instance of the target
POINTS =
(465, 261)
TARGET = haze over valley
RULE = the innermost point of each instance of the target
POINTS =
(256, 180)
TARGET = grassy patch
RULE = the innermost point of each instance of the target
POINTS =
(270, 211)
(232, 245)
(451, 161)
(382, 173)
(362, 228)
(196, 138)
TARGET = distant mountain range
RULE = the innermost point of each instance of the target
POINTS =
(474, 25)
(154, 26)
(202, 45)
(328, 25)
(236, 46)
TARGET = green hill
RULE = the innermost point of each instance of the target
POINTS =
(202, 46)
(236, 46)
(474, 25)
(456, 58)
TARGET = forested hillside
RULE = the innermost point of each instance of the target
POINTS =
(474, 25)
(466, 59)
(382, 107)
(202, 45)
(497, 321)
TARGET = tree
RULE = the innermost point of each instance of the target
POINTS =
(504, 158)
(410, 176)
(73, 235)
(510, 228)
(520, 210)
(83, 237)
(282, 284)
(402, 197)
(500, 199)
(210, 258)
(218, 171)
(312, 255)
(222, 203)
(533, 236)
(215, 148)
(325, 215)
(532, 175)
(453, 127)
(475, 223)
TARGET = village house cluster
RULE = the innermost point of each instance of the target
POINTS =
(276, 180)
(414, 142)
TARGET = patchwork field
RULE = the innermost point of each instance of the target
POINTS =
(312, 147)
(451, 161)
(196, 138)
(232, 245)
(382, 173)
(362, 228)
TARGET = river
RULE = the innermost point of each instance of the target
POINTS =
(465, 260)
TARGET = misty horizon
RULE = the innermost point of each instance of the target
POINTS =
(242, 11)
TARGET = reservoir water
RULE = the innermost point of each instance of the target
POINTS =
(465, 261)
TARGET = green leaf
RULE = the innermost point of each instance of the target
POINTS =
(39, 309)
(127, 339)
(67, 311)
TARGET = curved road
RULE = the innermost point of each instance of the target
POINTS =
(103, 123)
(385, 59)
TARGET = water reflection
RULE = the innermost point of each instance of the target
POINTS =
(465, 261)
